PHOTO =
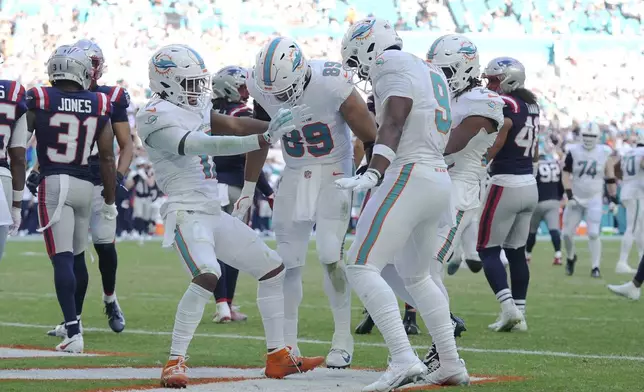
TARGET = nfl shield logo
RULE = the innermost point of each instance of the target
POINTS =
(307, 174)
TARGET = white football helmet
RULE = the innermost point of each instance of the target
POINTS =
(280, 70)
(590, 133)
(458, 57)
(178, 74)
(365, 40)
(70, 63)
(504, 74)
(227, 81)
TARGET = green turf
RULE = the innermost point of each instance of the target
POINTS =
(565, 314)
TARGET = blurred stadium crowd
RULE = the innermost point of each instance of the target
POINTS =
(583, 57)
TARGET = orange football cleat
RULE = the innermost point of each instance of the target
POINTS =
(281, 363)
(174, 374)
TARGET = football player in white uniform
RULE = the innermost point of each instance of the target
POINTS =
(315, 155)
(175, 129)
(412, 101)
(632, 198)
(586, 167)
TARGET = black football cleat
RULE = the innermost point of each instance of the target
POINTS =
(431, 359)
(474, 265)
(458, 324)
(115, 317)
(411, 328)
(595, 273)
(366, 325)
(570, 265)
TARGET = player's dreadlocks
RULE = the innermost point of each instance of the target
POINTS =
(474, 82)
(524, 94)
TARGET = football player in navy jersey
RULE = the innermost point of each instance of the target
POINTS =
(68, 120)
(104, 231)
(551, 192)
(512, 195)
(231, 96)
(13, 139)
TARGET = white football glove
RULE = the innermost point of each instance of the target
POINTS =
(17, 219)
(613, 208)
(368, 180)
(285, 121)
(245, 200)
(109, 211)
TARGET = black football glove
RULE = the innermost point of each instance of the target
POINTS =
(33, 180)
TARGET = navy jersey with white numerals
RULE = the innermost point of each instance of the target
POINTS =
(549, 180)
(13, 106)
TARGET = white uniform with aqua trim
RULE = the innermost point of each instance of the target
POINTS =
(587, 168)
(315, 156)
(632, 189)
(469, 165)
(402, 216)
(192, 213)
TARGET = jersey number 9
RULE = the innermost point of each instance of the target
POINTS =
(444, 111)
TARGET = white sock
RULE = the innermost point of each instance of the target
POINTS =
(595, 248)
(441, 286)
(434, 308)
(381, 304)
(338, 291)
(520, 303)
(189, 314)
(504, 295)
(558, 254)
(270, 301)
(569, 245)
(109, 298)
(223, 309)
(627, 243)
(292, 299)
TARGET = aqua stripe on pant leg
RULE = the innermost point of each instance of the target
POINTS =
(382, 212)
(185, 254)
(450, 237)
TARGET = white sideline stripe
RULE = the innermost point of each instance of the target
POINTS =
(365, 344)
(173, 299)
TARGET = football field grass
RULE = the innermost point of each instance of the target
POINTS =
(581, 337)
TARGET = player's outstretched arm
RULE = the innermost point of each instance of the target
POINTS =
(107, 166)
(500, 139)
(355, 112)
(177, 141)
(236, 126)
(465, 131)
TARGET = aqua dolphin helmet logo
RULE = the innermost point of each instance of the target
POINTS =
(163, 63)
(468, 50)
(363, 30)
(296, 56)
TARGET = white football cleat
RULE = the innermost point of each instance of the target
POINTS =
(395, 375)
(627, 290)
(521, 327)
(452, 377)
(73, 345)
(222, 316)
(624, 268)
(341, 352)
(509, 317)
(60, 330)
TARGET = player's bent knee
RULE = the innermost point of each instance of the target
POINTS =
(207, 280)
(593, 236)
(273, 273)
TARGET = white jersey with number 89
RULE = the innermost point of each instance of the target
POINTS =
(326, 139)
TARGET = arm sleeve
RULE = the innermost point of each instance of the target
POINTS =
(20, 134)
(177, 141)
(263, 185)
(568, 163)
(371, 104)
(259, 113)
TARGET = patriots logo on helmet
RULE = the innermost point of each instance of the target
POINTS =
(163, 63)
(505, 62)
(363, 30)
(233, 71)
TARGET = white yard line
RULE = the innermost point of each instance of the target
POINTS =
(366, 344)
